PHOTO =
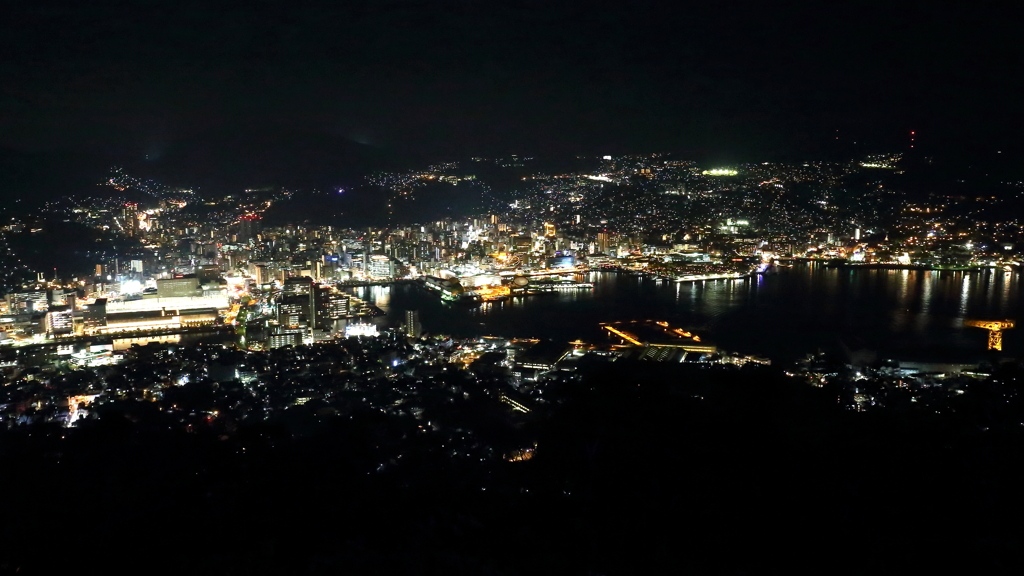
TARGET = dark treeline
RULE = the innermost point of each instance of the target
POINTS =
(643, 468)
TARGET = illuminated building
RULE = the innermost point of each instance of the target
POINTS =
(294, 311)
(59, 321)
(284, 337)
(522, 244)
(157, 320)
(182, 303)
(208, 272)
(298, 286)
(561, 262)
(361, 329)
(130, 219)
(381, 267)
(178, 287)
(450, 289)
(296, 308)
(94, 316)
(690, 257)
(259, 273)
(29, 301)
(248, 228)
(413, 329)
(492, 293)
(330, 306)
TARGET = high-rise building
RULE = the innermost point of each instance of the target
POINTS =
(381, 267)
(130, 219)
(331, 306)
(298, 286)
(248, 228)
(367, 252)
(521, 244)
(413, 329)
(259, 272)
(94, 316)
(294, 311)
(59, 321)
(297, 306)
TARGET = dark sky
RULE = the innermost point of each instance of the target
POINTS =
(482, 77)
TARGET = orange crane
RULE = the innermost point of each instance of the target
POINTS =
(995, 330)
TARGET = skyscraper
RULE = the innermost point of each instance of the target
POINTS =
(413, 329)
(130, 219)
(331, 306)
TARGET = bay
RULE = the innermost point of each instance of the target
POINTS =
(901, 313)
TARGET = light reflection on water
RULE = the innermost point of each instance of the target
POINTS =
(1009, 282)
(965, 290)
(921, 319)
(797, 309)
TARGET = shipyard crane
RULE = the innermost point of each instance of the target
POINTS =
(995, 330)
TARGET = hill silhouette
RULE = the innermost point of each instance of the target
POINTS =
(219, 160)
(27, 179)
(230, 158)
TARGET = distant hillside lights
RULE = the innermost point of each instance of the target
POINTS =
(720, 172)
(886, 161)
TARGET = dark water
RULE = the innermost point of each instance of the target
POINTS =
(908, 313)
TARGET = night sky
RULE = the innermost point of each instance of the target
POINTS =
(463, 78)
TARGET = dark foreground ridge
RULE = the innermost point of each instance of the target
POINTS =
(639, 469)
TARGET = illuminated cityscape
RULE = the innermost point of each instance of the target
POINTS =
(218, 318)
(510, 288)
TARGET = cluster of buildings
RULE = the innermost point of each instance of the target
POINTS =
(394, 371)
(213, 263)
(50, 311)
(220, 390)
(936, 386)
(859, 212)
(624, 207)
